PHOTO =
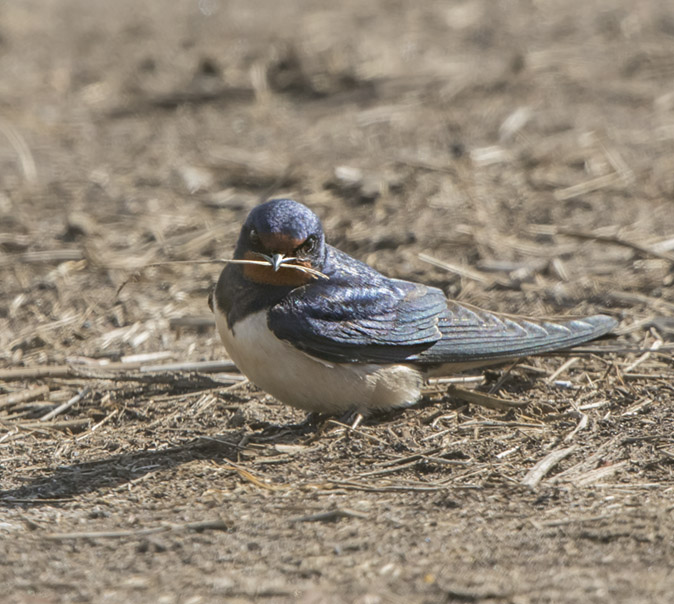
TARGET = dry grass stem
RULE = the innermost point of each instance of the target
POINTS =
(538, 472)
(484, 400)
(203, 525)
(462, 271)
(67, 405)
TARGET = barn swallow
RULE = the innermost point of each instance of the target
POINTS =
(324, 332)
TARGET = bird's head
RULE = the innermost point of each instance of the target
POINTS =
(282, 233)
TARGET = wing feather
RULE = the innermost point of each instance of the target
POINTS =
(359, 315)
(375, 323)
(470, 334)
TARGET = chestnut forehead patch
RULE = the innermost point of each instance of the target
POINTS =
(280, 243)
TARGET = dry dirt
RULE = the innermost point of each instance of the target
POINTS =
(526, 146)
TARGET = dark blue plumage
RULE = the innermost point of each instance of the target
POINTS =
(358, 315)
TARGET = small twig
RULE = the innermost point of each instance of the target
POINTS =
(398, 461)
(146, 357)
(221, 441)
(468, 379)
(568, 363)
(397, 488)
(638, 406)
(462, 271)
(619, 164)
(24, 396)
(330, 516)
(10, 433)
(483, 399)
(199, 366)
(95, 427)
(582, 424)
(357, 421)
(414, 462)
(588, 186)
(654, 347)
(436, 435)
(40, 425)
(497, 424)
(355, 431)
(389, 470)
(67, 405)
(536, 474)
(502, 379)
(250, 477)
(586, 463)
(204, 525)
(504, 454)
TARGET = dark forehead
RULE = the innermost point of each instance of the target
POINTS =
(284, 216)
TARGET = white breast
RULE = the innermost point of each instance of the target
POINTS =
(302, 381)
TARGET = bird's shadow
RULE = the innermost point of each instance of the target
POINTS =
(63, 483)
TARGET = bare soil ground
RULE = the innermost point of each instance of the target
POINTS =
(526, 147)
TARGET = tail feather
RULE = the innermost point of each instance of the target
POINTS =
(470, 335)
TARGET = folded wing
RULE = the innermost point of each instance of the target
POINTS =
(360, 316)
(371, 323)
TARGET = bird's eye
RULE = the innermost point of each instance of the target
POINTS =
(308, 245)
(253, 237)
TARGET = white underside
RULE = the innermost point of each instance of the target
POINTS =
(302, 381)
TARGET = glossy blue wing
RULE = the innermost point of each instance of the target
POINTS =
(359, 315)
(347, 320)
